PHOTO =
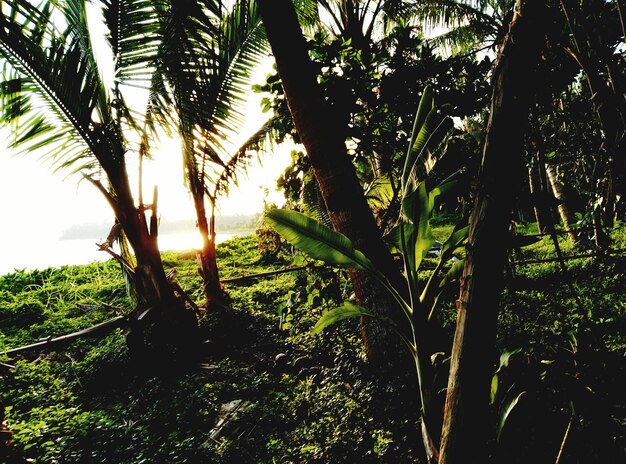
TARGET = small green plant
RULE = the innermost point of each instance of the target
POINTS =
(412, 237)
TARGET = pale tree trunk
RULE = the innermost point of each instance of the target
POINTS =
(559, 194)
(468, 427)
(322, 133)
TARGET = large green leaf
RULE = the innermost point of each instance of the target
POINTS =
(346, 311)
(317, 240)
(505, 412)
(445, 186)
(453, 273)
(456, 238)
(417, 208)
(505, 357)
(431, 135)
(432, 293)
(424, 108)
(394, 236)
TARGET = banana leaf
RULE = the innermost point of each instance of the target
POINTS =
(317, 240)
(345, 311)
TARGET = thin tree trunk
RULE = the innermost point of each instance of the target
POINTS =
(534, 185)
(206, 257)
(322, 136)
(559, 193)
(609, 104)
(467, 426)
(546, 196)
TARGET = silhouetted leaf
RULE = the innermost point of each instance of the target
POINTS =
(346, 311)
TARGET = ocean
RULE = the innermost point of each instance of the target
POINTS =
(41, 253)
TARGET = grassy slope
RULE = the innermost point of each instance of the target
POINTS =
(311, 399)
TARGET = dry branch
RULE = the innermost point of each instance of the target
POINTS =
(98, 329)
(266, 274)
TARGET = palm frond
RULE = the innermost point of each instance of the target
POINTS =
(68, 108)
(242, 48)
(313, 201)
(465, 38)
(307, 11)
(207, 77)
(238, 162)
(466, 24)
(134, 37)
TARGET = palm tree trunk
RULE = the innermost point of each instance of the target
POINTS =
(467, 426)
(151, 283)
(207, 258)
(322, 136)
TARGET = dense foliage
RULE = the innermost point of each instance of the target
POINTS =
(530, 114)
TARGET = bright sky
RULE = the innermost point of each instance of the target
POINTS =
(37, 205)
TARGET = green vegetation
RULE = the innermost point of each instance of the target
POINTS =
(524, 366)
(305, 398)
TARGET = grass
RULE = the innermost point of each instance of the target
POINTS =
(308, 398)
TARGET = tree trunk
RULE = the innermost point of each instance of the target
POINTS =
(322, 136)
(559, 193)
(467, 426)
(597, 61)
(534, 185)
(214, 294)
(167, 334)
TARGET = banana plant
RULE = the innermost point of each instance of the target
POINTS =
(412, 237)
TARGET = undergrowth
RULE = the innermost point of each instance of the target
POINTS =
(302, 398)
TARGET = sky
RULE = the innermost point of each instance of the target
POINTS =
(37, 205)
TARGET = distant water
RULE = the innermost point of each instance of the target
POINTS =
(55, 253)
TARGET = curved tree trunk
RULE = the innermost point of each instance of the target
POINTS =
(467, 426)
(322, 135)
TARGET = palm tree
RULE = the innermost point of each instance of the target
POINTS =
(54, 98)
(357, 20)
(206, 57)
(195, 59)
(595, 35)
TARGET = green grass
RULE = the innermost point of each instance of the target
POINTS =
(311, 398)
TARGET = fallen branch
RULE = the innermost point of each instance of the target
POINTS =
(559, 232)
(98, 329)
(266, 274)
